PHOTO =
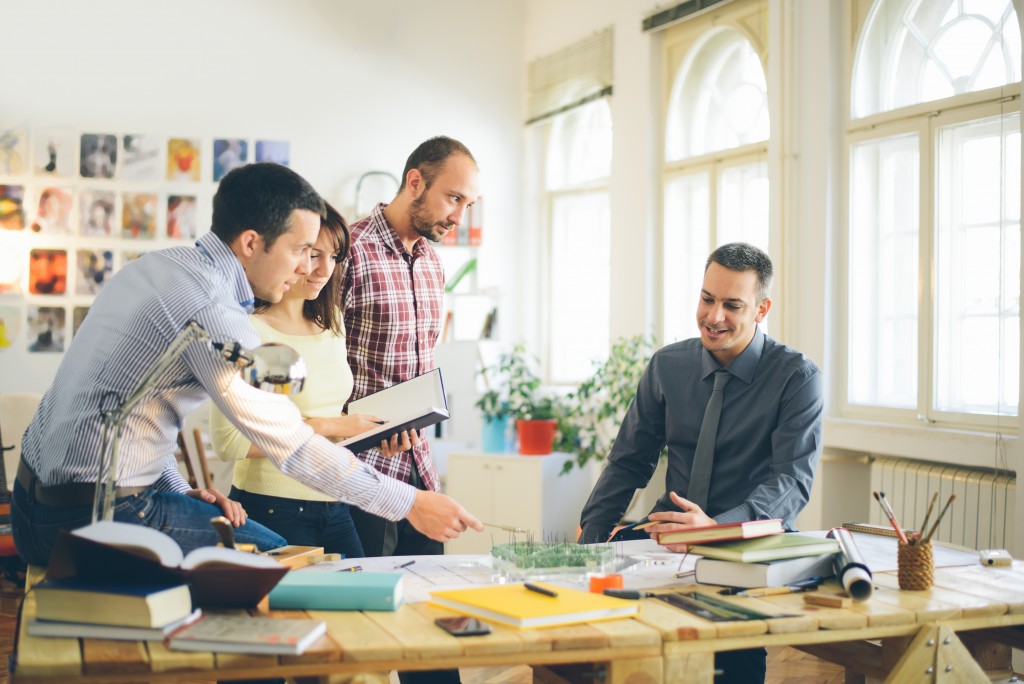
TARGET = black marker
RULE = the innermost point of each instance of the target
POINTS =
(405, 564)
(541, 590)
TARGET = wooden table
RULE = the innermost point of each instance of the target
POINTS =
(923, 640)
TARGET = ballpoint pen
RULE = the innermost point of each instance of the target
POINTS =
(541, 590)
(405, 564)
(641, 524)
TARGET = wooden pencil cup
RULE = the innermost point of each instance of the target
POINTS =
(915, 566)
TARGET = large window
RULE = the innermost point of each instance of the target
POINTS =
(934, 220)
(716, 132)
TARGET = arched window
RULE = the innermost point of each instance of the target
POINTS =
(933, 287)
(716, 132)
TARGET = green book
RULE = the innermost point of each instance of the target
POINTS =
(319, 590)
(767, 548)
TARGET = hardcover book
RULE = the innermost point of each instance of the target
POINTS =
(411, 405)
(767, 574)
(315, 590)
(516, 606)
(245, 634)
(129, 554)
(749, 529)
(111, 603)
(776, 546)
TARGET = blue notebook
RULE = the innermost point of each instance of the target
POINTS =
(319, 590)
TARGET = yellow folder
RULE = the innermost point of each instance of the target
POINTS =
(516, 606)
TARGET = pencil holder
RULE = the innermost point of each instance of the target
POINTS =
(915, 566)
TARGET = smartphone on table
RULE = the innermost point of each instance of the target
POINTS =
(463, 626)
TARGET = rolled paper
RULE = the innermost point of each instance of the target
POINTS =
(852, 571)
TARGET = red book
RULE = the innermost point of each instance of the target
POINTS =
(748, 529)
(476, 220)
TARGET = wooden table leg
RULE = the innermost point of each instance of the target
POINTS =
(936, 654)
(690, 667)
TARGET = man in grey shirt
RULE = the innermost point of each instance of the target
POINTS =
(769, 434)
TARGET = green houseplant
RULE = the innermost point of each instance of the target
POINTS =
(515, 393)
(600, 402)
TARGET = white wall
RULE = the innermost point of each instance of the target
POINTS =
(353, 85)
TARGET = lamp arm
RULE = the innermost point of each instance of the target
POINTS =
(114, 418)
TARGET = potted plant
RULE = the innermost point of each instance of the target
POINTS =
(516, 393)
(600, 402)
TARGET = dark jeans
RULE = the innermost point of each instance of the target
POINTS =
(304, 523)
(741, 667)
(184, 519)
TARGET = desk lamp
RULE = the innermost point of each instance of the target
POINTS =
(273, 367)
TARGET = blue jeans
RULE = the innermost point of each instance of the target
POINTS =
(305, 523)
(184, 519)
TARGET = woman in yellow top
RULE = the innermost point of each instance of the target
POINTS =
(307, 319)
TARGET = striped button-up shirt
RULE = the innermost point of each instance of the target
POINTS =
(392, 301)
(130, 325)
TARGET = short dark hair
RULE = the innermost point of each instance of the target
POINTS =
(742, 256)
(261, 197)
(324, 309)
(431, 155)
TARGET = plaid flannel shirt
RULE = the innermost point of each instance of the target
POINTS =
(392, 302)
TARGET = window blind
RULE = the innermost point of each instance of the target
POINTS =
(570, 77)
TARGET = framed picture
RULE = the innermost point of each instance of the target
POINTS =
(53, 212)
(78, 315)
(54, 153)
(98, 155)
(183, 159)
(94, 268)
(13, 152)
(276, 151)
(228, 154)
(12, 210)
(12, 270)
(10, 326)
(48, 271)
(138, 215)
(140, 158)
(46, 328)
(182, 217)
(96, 213)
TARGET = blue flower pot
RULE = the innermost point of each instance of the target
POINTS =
(492, 435)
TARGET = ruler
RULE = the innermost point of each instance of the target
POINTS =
(711, 608)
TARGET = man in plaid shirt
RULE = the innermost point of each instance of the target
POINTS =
(392, 298)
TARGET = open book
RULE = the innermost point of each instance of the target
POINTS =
(135, 554)
(410, 405)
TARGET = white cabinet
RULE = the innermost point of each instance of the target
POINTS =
(517, 491)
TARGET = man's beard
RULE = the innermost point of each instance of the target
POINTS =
(421, 223)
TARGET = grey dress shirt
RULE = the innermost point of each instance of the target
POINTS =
(768, 443)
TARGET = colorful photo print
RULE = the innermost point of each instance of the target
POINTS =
(78, 315)
(182, 159)
(96, 213)
(53, 212)
(48, 271)
(12, 269)
(138, 215)
(12, 209)
(46, 328)
(140, 160)
(99, 155)
(13, 152)
(54, 153)
(228, 154)
(94, 269)
(182, 217)
(129, 257)
(276, 151)
(10, 326)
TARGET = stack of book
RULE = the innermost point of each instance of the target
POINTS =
(755, 553)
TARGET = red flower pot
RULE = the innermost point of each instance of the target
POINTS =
(536, 437)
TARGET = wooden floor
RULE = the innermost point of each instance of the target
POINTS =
(785, 665)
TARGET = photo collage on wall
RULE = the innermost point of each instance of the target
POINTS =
(76, 206)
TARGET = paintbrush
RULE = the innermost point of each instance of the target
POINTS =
(928, 514)
(928, 537)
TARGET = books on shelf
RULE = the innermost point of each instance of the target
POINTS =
(123, 553)
(770, 548)
(516, 606)
(316, 590)
(86, 630)
(748, 529)
(774, 573)
(245, 634)
(411, 405)
(75, 599)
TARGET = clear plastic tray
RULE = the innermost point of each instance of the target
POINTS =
(542, 560)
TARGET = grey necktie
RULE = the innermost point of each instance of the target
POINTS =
(704, 454)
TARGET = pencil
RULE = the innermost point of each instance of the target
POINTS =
(884, 503)
(935, 525)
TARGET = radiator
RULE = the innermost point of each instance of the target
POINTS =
(981, 516)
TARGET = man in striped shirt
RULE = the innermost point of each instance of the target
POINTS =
(266, 219)
(393, 297)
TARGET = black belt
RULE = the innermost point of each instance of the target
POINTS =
(67, 495)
